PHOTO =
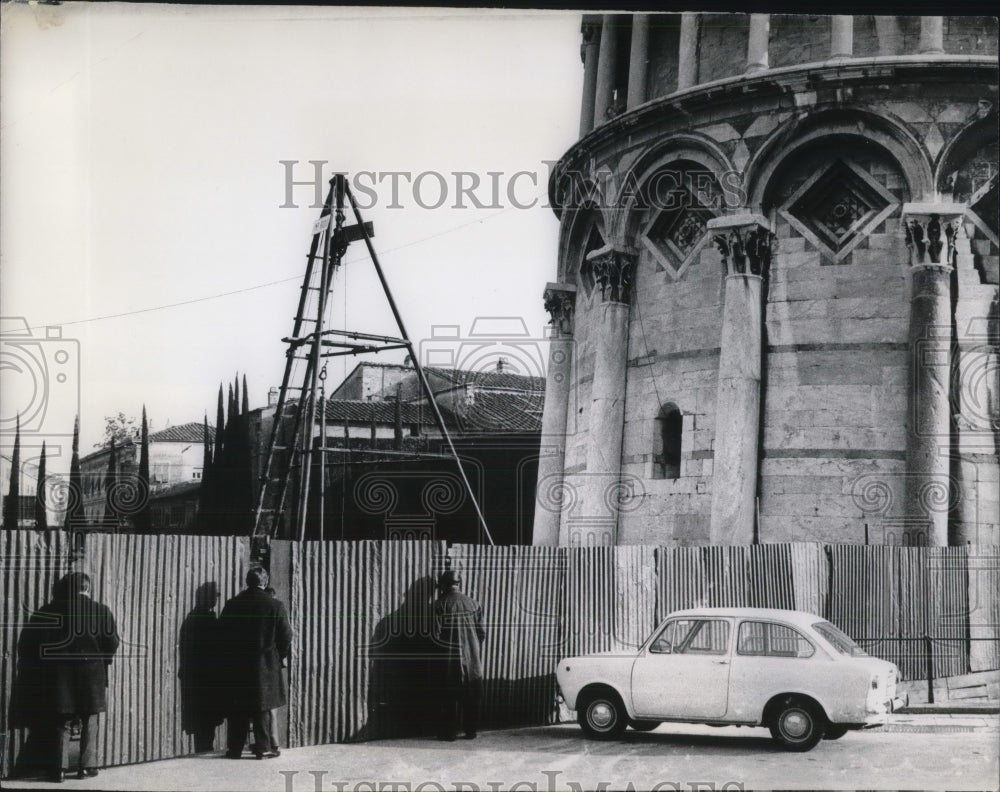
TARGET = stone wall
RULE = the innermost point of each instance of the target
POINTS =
(673, 358)
(722, 46)
(798, 38)
(664, 41)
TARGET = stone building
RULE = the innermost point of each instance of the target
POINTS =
(775, 312)
(389, 472)
(175, 457)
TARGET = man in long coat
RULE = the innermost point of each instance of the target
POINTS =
(256, 638)
(75, 643)
(458, 633)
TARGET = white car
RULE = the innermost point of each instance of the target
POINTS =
(791, 671)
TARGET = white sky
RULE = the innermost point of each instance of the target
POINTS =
(140, 168)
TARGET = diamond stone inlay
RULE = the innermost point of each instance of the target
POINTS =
(676, 234)
(838, 206)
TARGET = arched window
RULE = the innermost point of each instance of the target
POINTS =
(667, 443)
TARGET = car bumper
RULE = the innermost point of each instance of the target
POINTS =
(887, 707)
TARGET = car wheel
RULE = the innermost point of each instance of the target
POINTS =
(602, 716)
(644, 725)
(834, 731)
(797, 725)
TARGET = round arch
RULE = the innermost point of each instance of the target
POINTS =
(858, 125)
(698, 149)
(972, 137)
(574, 232)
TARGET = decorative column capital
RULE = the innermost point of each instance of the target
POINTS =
(560, 301)
(932, 230)
(613, 271)
(744, 240)
(590, 31)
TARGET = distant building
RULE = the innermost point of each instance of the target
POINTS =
(390, 473)
(176, 455)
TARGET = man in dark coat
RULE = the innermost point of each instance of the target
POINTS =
(75, 647)
(458, 633)
(256, 637)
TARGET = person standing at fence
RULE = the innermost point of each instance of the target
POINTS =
(256, 639)
(458, 633)
(75, 647)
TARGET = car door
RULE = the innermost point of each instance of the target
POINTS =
(684, 671)
(770, 658)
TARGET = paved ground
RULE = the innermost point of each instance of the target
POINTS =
(927, 752)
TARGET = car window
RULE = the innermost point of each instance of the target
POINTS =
(692, 636)
(772, 640)
(707, 636)
(840, 640)
(670, 635)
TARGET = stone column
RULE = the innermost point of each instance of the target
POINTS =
(559, 302)
(842, 36)
(687, 51)
(930, 236)
(931, 36)
(613, 271)
(974, 465)
(606, 59)
(745, 243)
(588, 54)
(757, 41)
(638, 61)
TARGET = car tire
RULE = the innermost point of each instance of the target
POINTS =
(834, 731)
(797, 725)
(643, 725)
(602, 716)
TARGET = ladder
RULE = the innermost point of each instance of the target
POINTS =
(290, 445)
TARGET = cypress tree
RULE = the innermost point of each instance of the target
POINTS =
(142, 517)
(41, 513)
(12, 506)
(75, 515)
(245, 404)
(220, 421)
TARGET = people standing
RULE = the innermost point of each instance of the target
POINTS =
(458, 633)
(75, 645)
(256, 639)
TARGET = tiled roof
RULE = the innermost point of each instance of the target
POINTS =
(193, 432)
(492, 379)
(501, 413)
(382, 412)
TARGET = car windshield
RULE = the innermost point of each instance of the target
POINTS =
(840, 640)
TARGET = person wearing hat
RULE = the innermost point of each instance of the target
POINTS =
(458, 633)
